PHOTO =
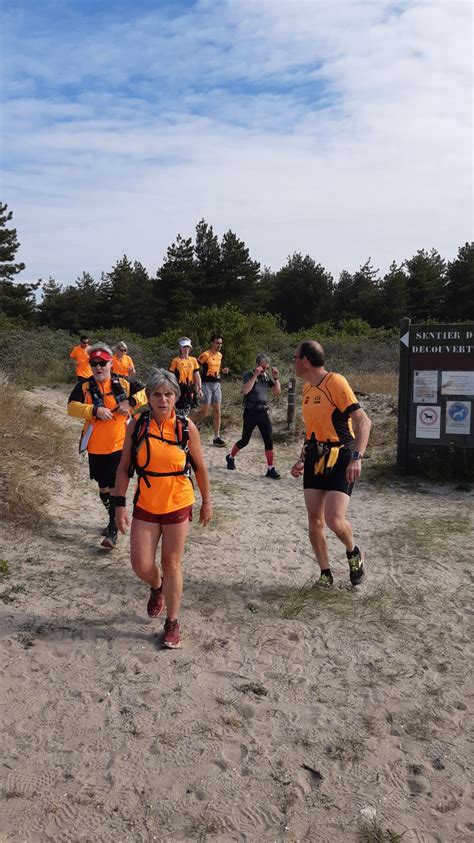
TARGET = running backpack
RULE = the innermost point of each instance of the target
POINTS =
(142, 434)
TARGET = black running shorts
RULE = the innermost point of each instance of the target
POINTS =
(103, 468)
(335, 478)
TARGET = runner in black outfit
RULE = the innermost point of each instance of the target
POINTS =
(255, 391)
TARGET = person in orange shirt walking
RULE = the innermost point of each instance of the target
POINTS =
(160, 446)
(105, 402)
(186, 370)
(122, 363)
(337, 433)
(80, 357)
(210, 362)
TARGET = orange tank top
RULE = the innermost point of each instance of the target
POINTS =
(164, 494)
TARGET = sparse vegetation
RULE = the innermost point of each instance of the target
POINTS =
(26, 471)
(375, 833)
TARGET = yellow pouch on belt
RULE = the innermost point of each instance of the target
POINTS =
(328, 460)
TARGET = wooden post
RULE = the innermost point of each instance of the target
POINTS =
(290, 417)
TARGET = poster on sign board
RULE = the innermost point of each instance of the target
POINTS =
(428, 422)
(457, 383)
(425, 386)
(458, 417)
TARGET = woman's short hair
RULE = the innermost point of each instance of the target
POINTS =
(121, 346)
(161, 377)
(262, 358)
(98, 346)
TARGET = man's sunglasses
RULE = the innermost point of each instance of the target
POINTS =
(102, 363)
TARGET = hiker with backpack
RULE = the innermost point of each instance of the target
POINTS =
(105, 402)
(161, 446)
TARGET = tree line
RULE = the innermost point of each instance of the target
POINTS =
(205, 272)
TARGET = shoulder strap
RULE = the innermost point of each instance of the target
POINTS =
(118, 389)
(182, 431)
(95, 392)
(142, 424)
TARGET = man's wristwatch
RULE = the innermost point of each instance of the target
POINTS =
(356, 455)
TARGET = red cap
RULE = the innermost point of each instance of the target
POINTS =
(100, 354)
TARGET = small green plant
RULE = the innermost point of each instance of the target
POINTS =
(8, 596)
(374, 833)
(253, 688)
(4, 570)
(348, 748)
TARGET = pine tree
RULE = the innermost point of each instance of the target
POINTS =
(16, 300)
(208, 270)
(426, 285)
(460, 287)
(303, 293)
(394, 297)
(239, 273)
(174, 288)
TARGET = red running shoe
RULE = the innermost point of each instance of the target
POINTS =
(156, 602)
(172, 639)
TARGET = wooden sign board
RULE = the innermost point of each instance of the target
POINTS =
(436, 392)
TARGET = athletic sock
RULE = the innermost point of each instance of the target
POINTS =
(105, 498)
(269, 456)
(112, 524)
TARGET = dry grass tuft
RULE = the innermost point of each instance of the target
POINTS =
(34, 446)
(374, 833)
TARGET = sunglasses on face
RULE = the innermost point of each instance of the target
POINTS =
(102, 363)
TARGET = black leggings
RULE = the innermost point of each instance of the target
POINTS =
(253, 419)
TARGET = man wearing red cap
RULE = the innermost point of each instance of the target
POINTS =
(105, 402)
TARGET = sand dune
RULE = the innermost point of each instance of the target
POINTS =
(289, 714)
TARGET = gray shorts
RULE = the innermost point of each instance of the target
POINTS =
(211, 393)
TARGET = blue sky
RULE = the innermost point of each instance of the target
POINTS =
(338, 129)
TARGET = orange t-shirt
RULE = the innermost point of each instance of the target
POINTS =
(326, 408)
(165, 494)
(184, 368)
(122, 366)
(213, 359)
(80, 356)
(107, 436)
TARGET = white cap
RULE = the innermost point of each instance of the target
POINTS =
(185, 341)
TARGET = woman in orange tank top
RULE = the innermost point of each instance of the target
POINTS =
(164, 496)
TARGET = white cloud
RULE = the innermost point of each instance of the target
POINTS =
(220, 114)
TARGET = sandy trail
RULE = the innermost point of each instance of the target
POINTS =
(110, 738)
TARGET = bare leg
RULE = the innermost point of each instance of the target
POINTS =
(315, 500)
(172, 549)
(336, 509)
(200, 414)
(216, 418)
(144, 538)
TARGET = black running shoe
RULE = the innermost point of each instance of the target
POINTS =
(230, 462)
(273, 474)
(356, 566)
(325, 579)
(218, 442)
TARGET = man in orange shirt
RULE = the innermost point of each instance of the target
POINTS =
(105, 403)
(210, 362)
(80, 357)
(122, 364)
(337, 432)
